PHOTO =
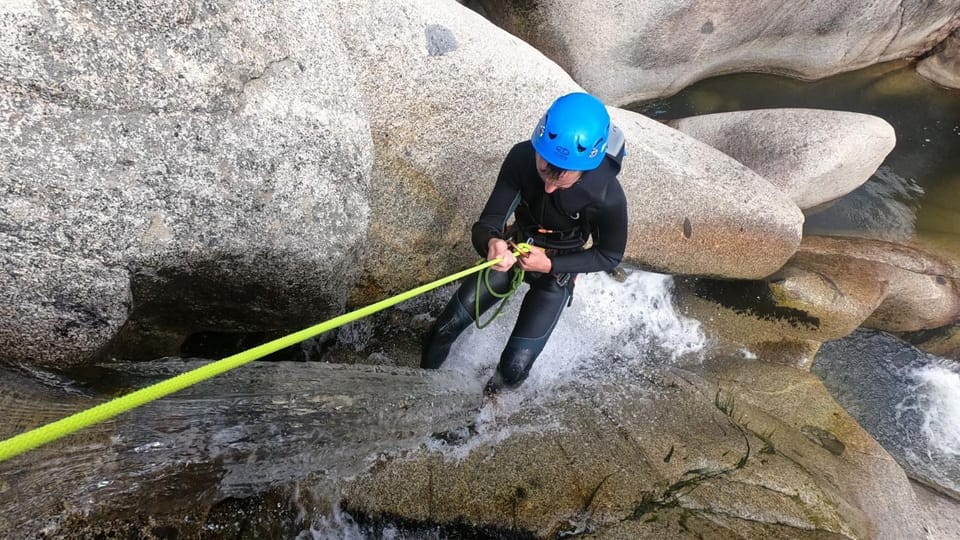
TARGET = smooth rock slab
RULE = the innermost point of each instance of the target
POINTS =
(694, 210)
(732, 452)
(746, 446)
(447, 94)
(814, 156)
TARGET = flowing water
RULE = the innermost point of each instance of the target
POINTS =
(607, 319)
(907, 399)
(303, 426)
(237, 435)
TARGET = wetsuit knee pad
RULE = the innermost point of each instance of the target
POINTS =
(517, 359)
(448, 326)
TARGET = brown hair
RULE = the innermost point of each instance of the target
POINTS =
(552, 171)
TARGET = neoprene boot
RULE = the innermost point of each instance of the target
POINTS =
(454, 320)
(514, 366)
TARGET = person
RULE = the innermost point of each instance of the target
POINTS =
(561, 188)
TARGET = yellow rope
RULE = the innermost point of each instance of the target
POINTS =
(483, 279)
(50, 432)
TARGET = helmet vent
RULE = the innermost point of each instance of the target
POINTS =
(551, 135)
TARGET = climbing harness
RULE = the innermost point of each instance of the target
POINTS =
(29, 440)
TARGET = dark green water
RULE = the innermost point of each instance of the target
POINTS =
(914, 197)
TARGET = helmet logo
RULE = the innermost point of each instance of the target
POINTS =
(562, 151)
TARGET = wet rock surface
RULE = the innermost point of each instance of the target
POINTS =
(828, 289)
(901, 396)
(721, 447)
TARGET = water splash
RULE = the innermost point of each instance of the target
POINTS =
(907, 399)
(634, 320)
(340, 525)
(936, 395)
(623, 328)
(613, 330)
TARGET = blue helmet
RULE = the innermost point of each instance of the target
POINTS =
(572, 134)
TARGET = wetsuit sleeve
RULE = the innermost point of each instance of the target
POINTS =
(609, 233)
(500, 205)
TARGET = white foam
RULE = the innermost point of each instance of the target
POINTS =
(340, 525)
(634, 319)
(612, 329)
(941, 407)
(490, 428)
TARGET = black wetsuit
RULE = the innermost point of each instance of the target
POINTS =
(562, 222)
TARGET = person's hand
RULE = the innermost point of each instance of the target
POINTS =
(498, 249)
(536, 261)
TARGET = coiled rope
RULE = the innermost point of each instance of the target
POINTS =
(483, 278)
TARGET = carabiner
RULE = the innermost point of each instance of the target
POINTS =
(521, 249)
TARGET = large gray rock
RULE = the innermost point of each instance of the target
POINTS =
(814, 156)
(694, 210)
(187, 166)
(943, 66)
(631, 51)
(445, 108)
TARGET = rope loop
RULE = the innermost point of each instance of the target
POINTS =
(483, 278)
